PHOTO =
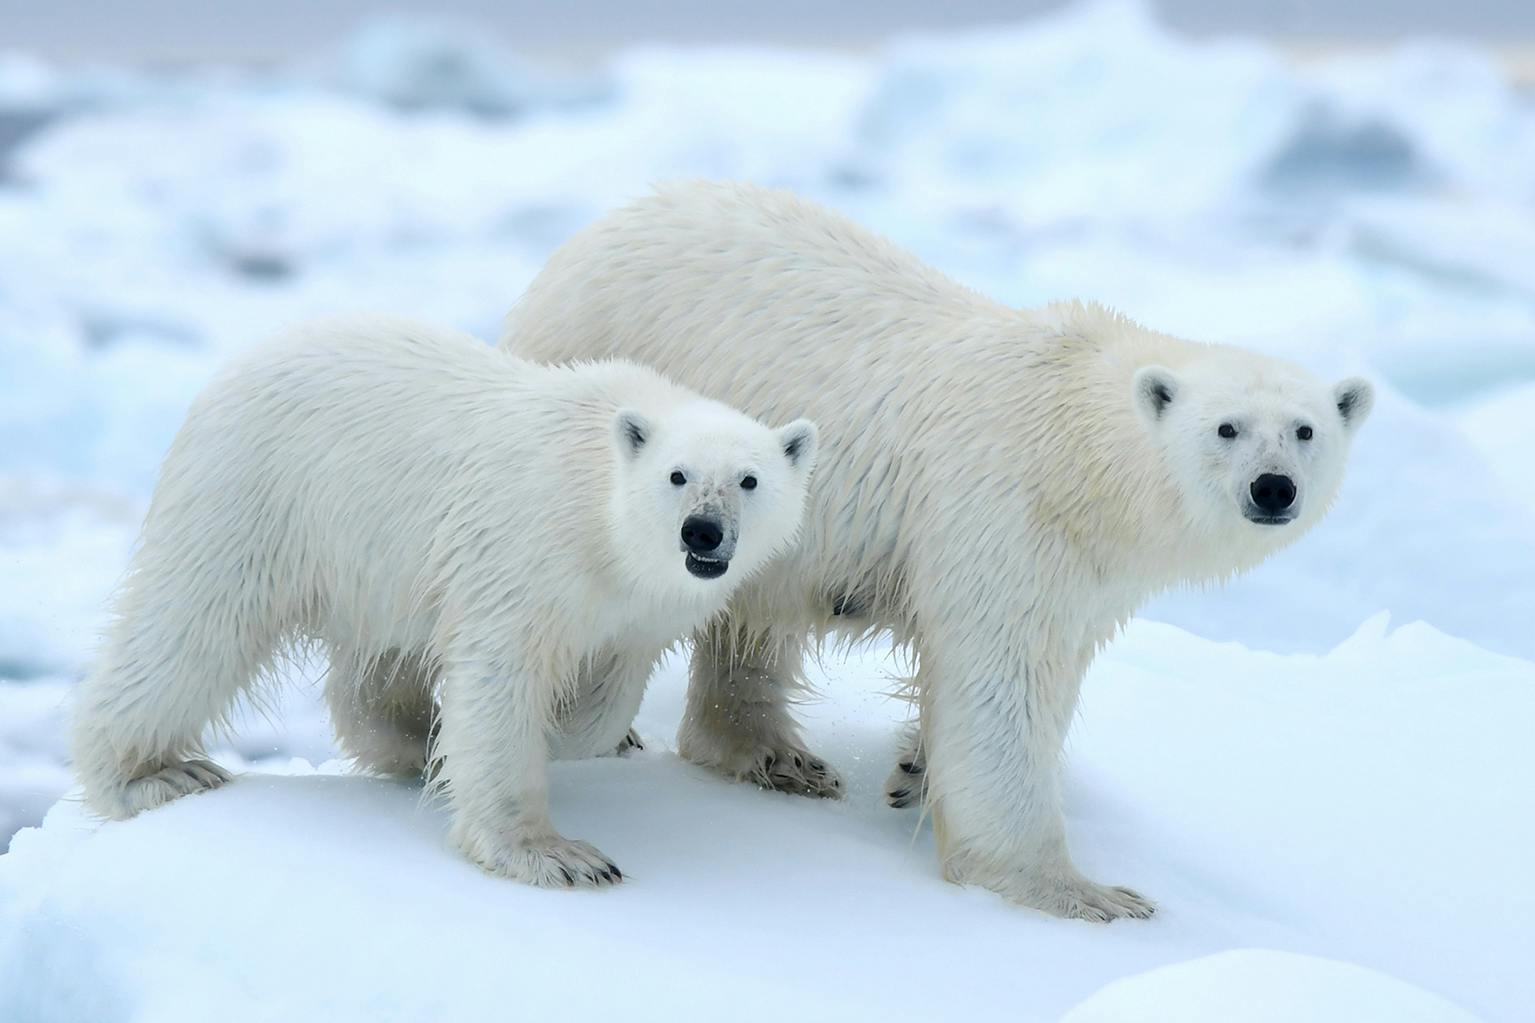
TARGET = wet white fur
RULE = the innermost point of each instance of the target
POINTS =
(426, 507)
(996, 487)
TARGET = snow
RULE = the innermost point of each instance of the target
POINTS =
(1262, 986)
(1354, 806)
(1326, 787)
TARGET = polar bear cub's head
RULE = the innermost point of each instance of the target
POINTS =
(1255, 446)
(704, 491)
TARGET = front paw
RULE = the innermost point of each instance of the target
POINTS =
(547, 859)
(1062, 893)
(795, 771)
(1081, 899)
(781, 767)
(907, 784)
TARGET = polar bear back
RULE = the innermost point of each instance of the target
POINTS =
(992, 451)
(923, 388)
(694, 267)
(371, 465)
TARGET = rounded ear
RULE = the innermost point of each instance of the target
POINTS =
(1355, 397)
(798, 441)
(631, 431)
(1153, 388)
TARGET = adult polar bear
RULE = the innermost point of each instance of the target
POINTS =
(427, 507)
(1000, 488)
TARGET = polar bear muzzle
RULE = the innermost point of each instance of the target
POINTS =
(703, 540)
(1273, 500)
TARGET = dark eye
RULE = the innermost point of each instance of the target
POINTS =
(748, 483)
(1304, 433)
(1227, 430)
(678, 479)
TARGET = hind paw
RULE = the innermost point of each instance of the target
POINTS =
(170, 782)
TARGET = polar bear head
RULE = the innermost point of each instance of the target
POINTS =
(704, 491)
(1255, 447)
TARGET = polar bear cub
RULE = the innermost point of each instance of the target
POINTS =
(434, 513)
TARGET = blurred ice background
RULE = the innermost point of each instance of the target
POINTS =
(1350, 185)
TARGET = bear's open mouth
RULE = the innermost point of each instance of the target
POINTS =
(706, 568)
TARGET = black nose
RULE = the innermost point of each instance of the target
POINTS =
(1273, 494)
(701, 535)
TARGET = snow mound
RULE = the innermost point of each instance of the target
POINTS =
(1317, 805)
(1257, 985)
(33, 774)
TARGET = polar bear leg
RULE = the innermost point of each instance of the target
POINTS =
(608, 697)
(737, 720)
(381, 709)
(994, 743)
(907, 784)
(492, 756)
(182, 650)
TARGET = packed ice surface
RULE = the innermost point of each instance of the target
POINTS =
(1371, 213)
(1359, 806)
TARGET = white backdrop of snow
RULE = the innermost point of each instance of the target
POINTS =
(1262, 986)
(1354, 806)
(1369, 214)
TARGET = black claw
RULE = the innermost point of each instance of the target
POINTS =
(900, 793)
(570, 879)
(636, 744)
(911, 767)
(618, 875)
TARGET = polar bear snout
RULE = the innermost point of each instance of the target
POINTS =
(1273, 499)
(707, 546)
(701, 535)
